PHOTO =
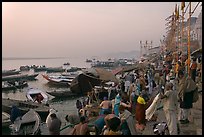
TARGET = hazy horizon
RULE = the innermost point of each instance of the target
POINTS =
(82, 29)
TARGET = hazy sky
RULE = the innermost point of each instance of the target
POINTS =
(77, 29)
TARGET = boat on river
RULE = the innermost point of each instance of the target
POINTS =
(32, 95)
(10, 72)
(20, 77)
(58, 79)
(55, 69)
(62, 93)
(5, 120)
(29, 124)
(25, 106)
(12, 85)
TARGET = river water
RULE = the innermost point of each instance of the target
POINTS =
(64, 106)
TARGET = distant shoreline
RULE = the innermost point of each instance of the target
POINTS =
(29, 58)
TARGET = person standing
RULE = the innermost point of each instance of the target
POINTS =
(78, 106)
(193, 68)
(117, 104)
(126, 117)
(54, 127)
(169, 107)
(185, 96)
(133, 101)
(105, 105)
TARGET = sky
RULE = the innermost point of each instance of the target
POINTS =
(82, 29)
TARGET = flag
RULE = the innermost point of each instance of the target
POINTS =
(176, 9)
(172, 18)
(177, 15)
(182, 5)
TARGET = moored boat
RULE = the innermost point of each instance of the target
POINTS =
(25, 106)
(63, 80)
(10, 72)
(24, 68)
(55, 69)
(5, 119)
(29, 124)
(10, 85)
(62, 93)
(20, 77)
(39, 68)
(33, 94)
(66, 64)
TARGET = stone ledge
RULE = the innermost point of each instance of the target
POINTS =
(199, 131)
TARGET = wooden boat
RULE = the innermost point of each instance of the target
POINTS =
(20, 77)
(62, 93)
(32, 94)
(28, 125)
(9, 85)
(5, 119)
(10, 72)
(63, 80)
(25, 106)
(55, 69)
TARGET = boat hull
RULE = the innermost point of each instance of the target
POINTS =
(25, 106)
(29, 124)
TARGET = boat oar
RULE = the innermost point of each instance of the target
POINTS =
(69, 125)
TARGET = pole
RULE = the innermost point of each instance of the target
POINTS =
(189, 37)
(182, 29)
(140, 49)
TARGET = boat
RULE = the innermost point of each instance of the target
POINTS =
(10, 72)
(12, 85)
(32, 94)
(24, 68)
(73, 69)
(88, 60)
(5, 120)
(58, 79)
(55, 69)
(60, 93)
(66, 64)
(39, 68)
(20, 77)
(25, 106)
(29, 124)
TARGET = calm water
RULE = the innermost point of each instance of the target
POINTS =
(64, 106)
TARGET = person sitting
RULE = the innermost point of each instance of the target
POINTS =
(38, 98)
(100, 122)
(81, 128)
(105, 105)
(114, 125)
(72, 119)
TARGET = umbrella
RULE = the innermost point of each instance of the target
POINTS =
(197, 52)
(91, 77)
